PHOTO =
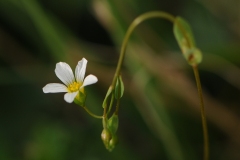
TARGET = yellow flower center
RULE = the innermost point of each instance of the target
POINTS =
(74, 87)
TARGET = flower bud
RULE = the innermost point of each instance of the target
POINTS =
(106, 137)
(113, 142)
(193, 56)
(184, 36)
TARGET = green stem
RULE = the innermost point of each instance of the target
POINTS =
(135, 23)
(204, 121)
(92, 114)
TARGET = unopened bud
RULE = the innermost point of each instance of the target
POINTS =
(106, 137)
(193, 56)
(113, 142)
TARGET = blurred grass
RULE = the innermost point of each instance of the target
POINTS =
(160, 90)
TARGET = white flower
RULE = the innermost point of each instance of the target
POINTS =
(72, 84)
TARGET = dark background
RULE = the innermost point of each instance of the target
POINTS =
(159, 113)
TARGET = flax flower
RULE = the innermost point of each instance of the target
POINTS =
(74, 86)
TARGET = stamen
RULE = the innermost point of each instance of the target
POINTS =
(74, 87)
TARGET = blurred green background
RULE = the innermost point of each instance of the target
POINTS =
(159, 113)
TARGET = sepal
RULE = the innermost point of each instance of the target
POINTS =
(105, 101)
(80, 98)
(119, 88)
(113, 123)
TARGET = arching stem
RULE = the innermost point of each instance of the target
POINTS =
(134, 24)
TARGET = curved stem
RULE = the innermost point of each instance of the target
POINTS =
(204, 121)
(135, 23)
(92, 114)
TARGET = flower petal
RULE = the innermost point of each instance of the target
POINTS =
(64, 73)
(54, 88)
(69, 97)
(80, 70)
(90, 79)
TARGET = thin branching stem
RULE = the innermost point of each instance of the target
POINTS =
(92, 114)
